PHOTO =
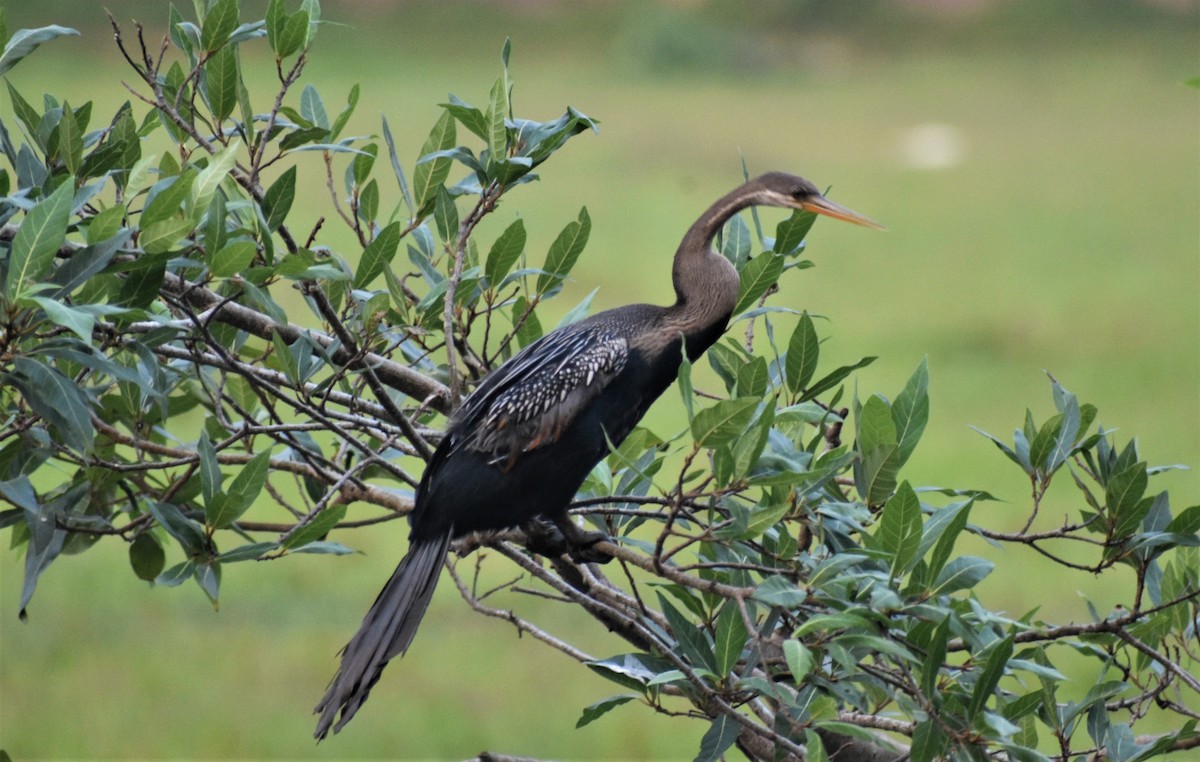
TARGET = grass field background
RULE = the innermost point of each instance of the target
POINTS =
(1061, 232)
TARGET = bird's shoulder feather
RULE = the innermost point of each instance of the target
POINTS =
(527, 402)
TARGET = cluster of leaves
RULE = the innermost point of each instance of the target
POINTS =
(146, 346)
(820, 583)
(191, 368)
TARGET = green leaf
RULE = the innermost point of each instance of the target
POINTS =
(497, 136)
(935, 656)
(378, 255)
(219, 23)
(735, 243)
(284, 356)
(57, 399)
(24, 41)
(70, 140)
(1008, 451)
(313, 9)
(250, 552)
(799, 659)
(579, 311)
(941, 532)
(42, 232)
(467, 115)
(176, 575)
(232, 259)
(998, 655)
(685, 385)
(763, 517)
(175, 88)
(445, 215)
(692, 643)
(875, 424)
(146, 557)
(718, 738)
(910, 412)
(757, 276)
(430, 175)
(962, 573)
(300, 139)
(276, 19)
(364, 162)
(320, 526)
(401, 180)
(323, 548)
(731, 637)
(168, 200)
(1043, 443)
(789, 234)
(726, 359)
(1130, 521)
(631, 670)
(899, 532)
(277, 201)
(75, 320)
(312, 108)
(753, 378)
(294, 35)
(842, 620)
(746, 451)
(531, 329)
(833, 379)
(228, 507)
(603, 707)
(186, 532)
(221, 82)
(105, 225)
(564, 252)
(802, 353)
(339, 124)
(504, 253)
(876, 470)
(208, 577)
(928, 743)
(184, 34)
(1068, 432)
(723, 422)
(160, 238)
(1187, 522)
(28, 116)
(368, 202)
(210, 469)
(1124, 492)
(779, 591)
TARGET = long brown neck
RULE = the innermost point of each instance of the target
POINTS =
(706, 283)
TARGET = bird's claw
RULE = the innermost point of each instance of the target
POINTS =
(564, 537)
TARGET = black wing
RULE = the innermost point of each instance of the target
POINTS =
(527, 402)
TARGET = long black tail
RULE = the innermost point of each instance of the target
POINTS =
(387, 630)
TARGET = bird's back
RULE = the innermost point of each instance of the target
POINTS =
(527, 437)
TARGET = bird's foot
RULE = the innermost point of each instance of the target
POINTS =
(564, 537)
(583, 543)
(543, 538)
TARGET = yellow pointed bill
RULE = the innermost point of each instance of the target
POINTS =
(822, 205)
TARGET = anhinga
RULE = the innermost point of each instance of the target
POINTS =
(524, 441)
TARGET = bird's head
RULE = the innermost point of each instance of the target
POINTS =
(792, 192)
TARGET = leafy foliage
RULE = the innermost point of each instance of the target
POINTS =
(808, 595)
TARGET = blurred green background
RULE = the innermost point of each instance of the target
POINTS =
(1038, 167)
